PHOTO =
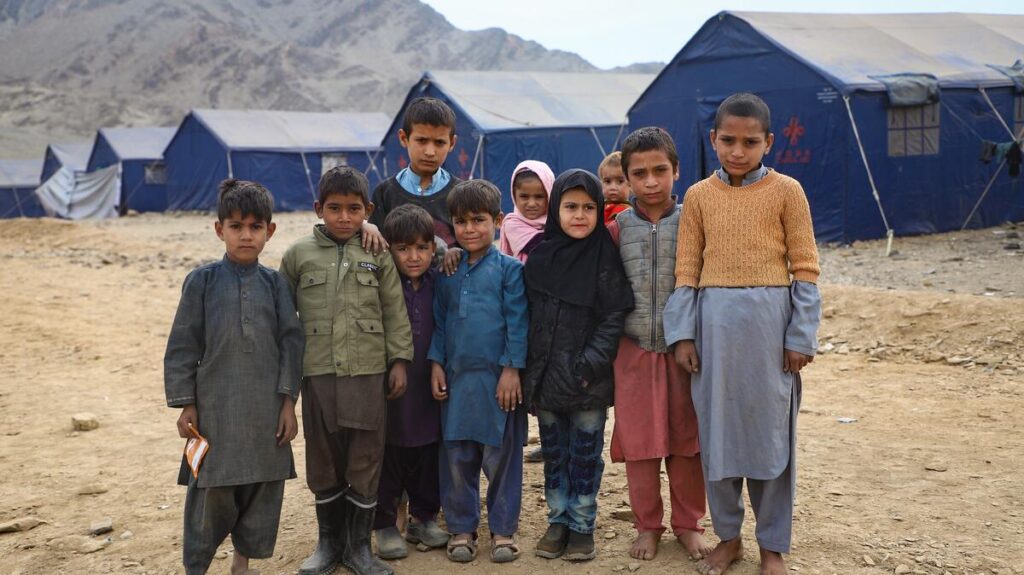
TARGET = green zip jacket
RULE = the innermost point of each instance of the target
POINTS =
(351, 306)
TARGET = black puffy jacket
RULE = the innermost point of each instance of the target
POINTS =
(571, 349)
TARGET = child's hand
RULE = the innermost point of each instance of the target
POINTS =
(794, 361)
(450, 264)
(686, 356)
(510, 392)
(438, 382)
(189, 416)
(373, 241)
(287, 426)
(397, 380)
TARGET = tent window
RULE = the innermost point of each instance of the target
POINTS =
(328, 161)
(156, 173)
(1018, 115)
(914, 130)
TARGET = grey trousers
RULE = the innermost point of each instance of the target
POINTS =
(250, 513)
(772, 501)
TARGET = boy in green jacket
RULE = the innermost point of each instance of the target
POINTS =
(352, 310)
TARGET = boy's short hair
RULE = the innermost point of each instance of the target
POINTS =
(474, 196)
(246, 198)
(408, 224)
(612, 160)
(645, 140)
(745, 105)
(345, 181)
(429, 111)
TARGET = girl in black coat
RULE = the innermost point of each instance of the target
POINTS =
(579, 298)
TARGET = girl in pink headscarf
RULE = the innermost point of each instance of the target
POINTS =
(524, 227)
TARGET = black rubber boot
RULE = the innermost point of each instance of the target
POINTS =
(330, 544)
(358, 555)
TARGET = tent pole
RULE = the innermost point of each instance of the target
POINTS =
(373, 164)
(983, 194)
(618, 136)
(309, 180)
(871, 179)
(231, 171)
(996, 112)
(476, 156)
(598, 140)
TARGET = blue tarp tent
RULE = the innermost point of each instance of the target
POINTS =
(139, 152)
(18, 182)
(74, 156)
(285, 151)
(569, 120)
(910, 97)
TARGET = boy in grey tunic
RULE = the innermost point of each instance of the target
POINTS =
(233, 365)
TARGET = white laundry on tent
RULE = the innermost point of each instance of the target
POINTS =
(69, 192)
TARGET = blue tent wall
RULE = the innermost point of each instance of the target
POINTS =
(283, 174)
(136, 194)
(561, 148)
(196, 163)
(920, 194)
(50, 165)
(20, 202)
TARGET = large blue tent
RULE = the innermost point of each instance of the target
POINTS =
(568, 120)
(139, 152)
(882, 118)
(285, 151)
(18, 182)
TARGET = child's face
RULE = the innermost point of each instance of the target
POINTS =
(244, 238)
(577, 213)
(614, 185)
(343, 214)
(428, 147)
(531, 198)
(650, 177)
(740, 143)
(413, 260)
(475, 231)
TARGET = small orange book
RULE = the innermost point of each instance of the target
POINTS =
(196, 449)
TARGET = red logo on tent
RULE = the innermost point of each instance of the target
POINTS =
(402, 163)
(463, 157)
(794, 131)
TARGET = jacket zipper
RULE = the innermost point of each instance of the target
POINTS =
(654, 282)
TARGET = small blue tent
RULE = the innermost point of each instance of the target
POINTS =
(882, 118)
(285, 151)
(18, 182)
(139, 152)
(73, 156)
(568, 120)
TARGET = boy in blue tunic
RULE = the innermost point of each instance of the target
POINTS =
(478, 348)
(233, 366)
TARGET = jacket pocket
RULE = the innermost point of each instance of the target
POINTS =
(370, 344)
(368, 293)
(319, 351)
(312, 290)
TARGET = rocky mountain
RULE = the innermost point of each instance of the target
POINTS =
(71, 66)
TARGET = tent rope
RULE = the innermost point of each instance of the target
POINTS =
(871, 179)
(983, 194)
(231, 170)
(996, 112)
(309, 180)
(373, 164)
(593, 132)
(476, 156)
(618, 136)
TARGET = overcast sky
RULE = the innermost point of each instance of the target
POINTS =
(612, 33)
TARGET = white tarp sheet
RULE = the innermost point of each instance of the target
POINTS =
(79, 195)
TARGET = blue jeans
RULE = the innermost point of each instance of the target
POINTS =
(572, 444)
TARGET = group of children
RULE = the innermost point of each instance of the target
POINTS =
(694, 322)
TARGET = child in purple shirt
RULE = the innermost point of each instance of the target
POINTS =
(414, 419)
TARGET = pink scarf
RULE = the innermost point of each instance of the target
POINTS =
(516, 230)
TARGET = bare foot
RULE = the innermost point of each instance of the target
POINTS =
(239, 564)
(645, 546)
(772, 563)
(721, 557)
(694, 543)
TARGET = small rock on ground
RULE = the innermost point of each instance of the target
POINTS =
(101, 526)
(20, 524)
(84, 421)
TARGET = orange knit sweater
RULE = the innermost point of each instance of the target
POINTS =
(756, 235)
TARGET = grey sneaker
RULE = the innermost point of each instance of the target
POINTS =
(390, 544)
(580, 547)
(427, 533)
(552, 544)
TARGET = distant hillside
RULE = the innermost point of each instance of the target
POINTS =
(70, 66)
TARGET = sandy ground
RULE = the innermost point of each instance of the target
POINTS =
(922, 358)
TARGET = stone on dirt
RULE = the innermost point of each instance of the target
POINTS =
(84, 421)
(20, 524)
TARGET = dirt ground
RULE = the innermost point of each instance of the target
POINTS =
(910, 444)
